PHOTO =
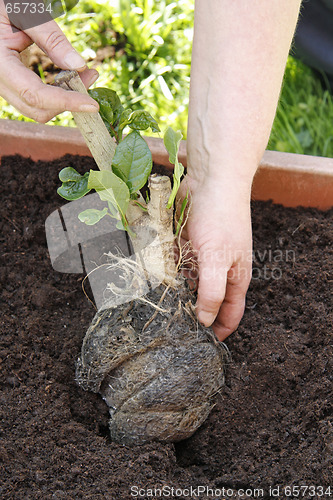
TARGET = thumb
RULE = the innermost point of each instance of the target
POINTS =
(211, 290)
(54, 43)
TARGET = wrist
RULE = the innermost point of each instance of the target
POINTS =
(233, 191)
(224, 160)
(232, 177)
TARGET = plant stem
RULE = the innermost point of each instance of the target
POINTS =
(116, 136)
(159, 255)
(92, 127)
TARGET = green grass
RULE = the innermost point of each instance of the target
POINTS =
(151, 70)
(304, 118)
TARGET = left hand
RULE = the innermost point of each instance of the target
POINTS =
(219, 229)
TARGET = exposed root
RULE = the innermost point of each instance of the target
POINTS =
(186, 256)
(151, 319)
(131, 276)
(189, 308)
(154, 306)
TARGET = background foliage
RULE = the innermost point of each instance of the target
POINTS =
(149, 66)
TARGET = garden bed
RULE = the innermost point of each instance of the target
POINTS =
(272, 424)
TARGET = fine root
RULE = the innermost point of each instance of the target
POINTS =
(154, 306)
(151, 319)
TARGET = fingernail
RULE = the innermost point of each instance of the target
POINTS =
(74, 61)
(206, 318)
(94, 77)
(88, 108)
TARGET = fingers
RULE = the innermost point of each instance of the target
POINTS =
(221, 296)
(231, 311)
(211, 289)
(24, 90)
(89, 76)
(51, 39)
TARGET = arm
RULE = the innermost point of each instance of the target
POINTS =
(23, 88)
(239, 54)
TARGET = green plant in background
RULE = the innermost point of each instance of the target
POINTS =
(303, 122)
(155, 65)
(151, 66)
(152, 42)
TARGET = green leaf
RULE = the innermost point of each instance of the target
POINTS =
(112, 189)
(139, 120)
(91, 216)
(132, 161)
(123, 121)
(113, 211)
(110, 106)
(74, 185)
(172, 142)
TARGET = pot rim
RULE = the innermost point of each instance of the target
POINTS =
(285, 178)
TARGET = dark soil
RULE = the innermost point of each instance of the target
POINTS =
(272, 424)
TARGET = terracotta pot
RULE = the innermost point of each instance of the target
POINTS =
(285, 178)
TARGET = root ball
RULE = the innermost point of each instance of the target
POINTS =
(154, 365)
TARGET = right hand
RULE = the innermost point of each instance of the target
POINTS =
(23, 89)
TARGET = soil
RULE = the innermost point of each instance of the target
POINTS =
(272, 423)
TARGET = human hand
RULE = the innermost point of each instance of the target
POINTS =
(219, 229)
(24, 89)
